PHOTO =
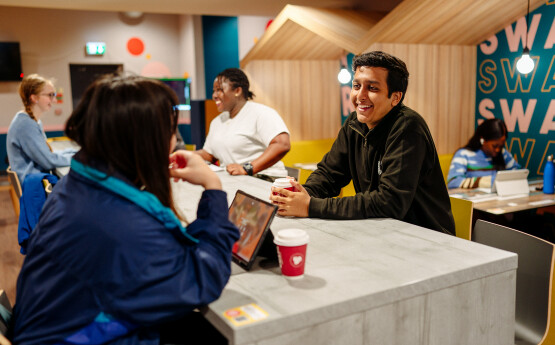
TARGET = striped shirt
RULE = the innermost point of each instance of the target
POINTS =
(469, 167)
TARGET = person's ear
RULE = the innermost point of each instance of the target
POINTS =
(482, 141)
(238, 91)
(396, 98)
(34, 99)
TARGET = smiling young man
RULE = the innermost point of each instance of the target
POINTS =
(386, 149)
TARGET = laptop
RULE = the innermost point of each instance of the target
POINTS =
(511, 182)
(253, 217)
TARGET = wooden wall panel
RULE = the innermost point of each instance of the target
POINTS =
(442, 88)
(305, 93)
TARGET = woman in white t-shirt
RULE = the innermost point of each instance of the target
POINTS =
(247, 138)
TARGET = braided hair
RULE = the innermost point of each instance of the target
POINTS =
(31, 85)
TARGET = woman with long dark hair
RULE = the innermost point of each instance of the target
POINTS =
(475, 164)
(110, 261)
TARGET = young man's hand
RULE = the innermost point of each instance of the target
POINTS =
(291, 203)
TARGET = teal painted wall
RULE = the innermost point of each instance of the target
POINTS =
(525, 102)
(221, 47)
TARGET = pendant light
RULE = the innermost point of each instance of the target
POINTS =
(344, 76)
(525, 64)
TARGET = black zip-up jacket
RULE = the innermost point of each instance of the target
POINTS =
(395, 171)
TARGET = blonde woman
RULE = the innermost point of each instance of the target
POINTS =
(28, 152)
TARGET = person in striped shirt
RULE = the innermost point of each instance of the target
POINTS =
(476, 164)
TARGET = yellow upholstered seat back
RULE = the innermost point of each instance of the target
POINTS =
(462, 213)
(311, 152)
(445, 163)
(307, 151)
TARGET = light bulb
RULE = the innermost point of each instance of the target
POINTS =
(344, 76)
(525, 64)
(133, 14)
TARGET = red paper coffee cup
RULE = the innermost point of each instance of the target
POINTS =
(291, 246)
(284, 183)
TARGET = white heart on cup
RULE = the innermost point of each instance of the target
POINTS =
(297, 259)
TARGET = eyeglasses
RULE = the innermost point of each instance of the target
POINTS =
(52, 95)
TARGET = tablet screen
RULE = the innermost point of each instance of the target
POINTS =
(253, 217)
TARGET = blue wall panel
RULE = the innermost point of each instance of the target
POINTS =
(525, 102)
(221, 47)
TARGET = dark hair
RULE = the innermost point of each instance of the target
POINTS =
(237, 78)
(490, 129)
(397, 76)
(127, 122)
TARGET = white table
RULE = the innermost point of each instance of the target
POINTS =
(59, 145)
(374, 281)
(494, 204)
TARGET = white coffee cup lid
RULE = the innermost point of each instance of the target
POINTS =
(282, 182)
(291, 237)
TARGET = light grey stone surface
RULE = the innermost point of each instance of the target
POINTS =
(373, 281)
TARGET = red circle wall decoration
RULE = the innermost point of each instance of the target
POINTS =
(135, 46)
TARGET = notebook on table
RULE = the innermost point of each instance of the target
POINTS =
(253, 217)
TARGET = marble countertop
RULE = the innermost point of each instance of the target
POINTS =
(351, 266)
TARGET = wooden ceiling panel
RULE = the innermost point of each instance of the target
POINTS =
(457, 30)
(483, 27)
(292, 43)
(344, 28)
(312, 34)
(454, 22)
(321, 34)
(264, 8)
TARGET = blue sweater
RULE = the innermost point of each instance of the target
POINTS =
(469, 167)
(28, 152)
(100, 269)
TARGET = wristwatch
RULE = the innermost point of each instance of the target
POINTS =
(248, 168)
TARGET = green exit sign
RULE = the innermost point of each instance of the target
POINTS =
(95, 48)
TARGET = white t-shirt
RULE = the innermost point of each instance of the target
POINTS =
(245, 137)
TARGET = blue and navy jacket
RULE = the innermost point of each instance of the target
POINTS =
(102, 270)
(30, 205)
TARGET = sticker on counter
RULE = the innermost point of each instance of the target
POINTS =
(245, 314)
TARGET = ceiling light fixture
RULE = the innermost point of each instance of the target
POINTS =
(344, 76)
(134, 14)
(525, 64)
